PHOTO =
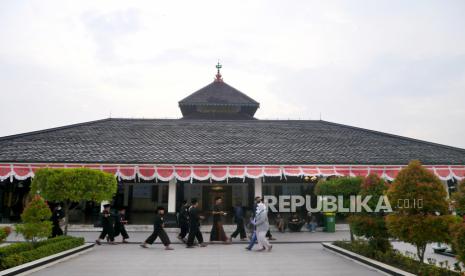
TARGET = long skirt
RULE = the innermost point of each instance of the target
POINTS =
(217, 233)
(262, 240)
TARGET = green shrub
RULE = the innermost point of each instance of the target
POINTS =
(15, 248)
(73, 185)
(397, 259)
(36, 220)
(372, 226)
(4, 232)
(458, 240)
(421, 224)
(21, 253)
(459, 198)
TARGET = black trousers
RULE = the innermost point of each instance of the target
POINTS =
(194, 232)
(56, 230)
(107, 231)
(121, 230)
(159, 233)
(240, 230)
(184, 229)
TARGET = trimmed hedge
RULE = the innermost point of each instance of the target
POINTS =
(396, 258)
(20, 253)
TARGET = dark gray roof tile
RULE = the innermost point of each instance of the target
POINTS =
(162, 141)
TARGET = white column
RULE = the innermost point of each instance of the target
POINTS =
(258, 187)
(172, 196)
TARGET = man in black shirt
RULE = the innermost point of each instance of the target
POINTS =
(158, 231)
(57, 217)
(239, 220)
(183, 221)
(120, 221)
(107, 225)
(194, 225)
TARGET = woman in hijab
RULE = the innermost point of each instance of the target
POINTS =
(262, 225)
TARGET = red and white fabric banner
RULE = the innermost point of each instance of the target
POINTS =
(22, 171)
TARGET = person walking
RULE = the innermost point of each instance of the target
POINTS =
(217, 233)
(183, 221)
(57, 218)
(262, 226)
(120, 222)
(253, 238)
(239, 220)
(107, 222)
(158, 231)
(194, 225)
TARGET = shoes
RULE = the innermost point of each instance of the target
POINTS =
(203, 245)
(124, 241)
(190, 246)
(98, 242)
(169, 248)
(269, 249)
(272, 239)
(182, 240)
(143, 245)
(248, 248)
(112, 243)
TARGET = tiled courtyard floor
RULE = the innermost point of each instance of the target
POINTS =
(285, 259)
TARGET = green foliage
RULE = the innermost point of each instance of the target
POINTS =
(20, 253)
(344, 186)
(419, 225)
(340, 186)
(458, 240)
(372, 226)
(4, 233)
(36, 222)
(397, 259)
(73, 185)
(459, 198)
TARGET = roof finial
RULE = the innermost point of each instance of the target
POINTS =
(218, 74)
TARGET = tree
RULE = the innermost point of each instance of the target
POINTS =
(73, 185)
(420, 207)
(459, 198)
(458, 240)
(340, 186)
(372, 226)
(458, 229)
(35, 218)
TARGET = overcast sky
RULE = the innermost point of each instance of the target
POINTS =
(392, 66)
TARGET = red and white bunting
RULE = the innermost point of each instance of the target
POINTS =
(22, 171)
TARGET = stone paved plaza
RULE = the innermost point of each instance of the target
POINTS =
(293, 244)
(285, 259)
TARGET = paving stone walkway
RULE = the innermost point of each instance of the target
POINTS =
(285, 259)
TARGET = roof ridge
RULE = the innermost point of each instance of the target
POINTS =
(52, 129)
(395, 136)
